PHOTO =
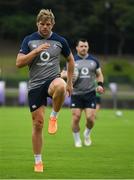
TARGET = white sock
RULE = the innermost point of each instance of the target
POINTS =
(54, 114)
(76, 136)
(87, 132)
(37, 158)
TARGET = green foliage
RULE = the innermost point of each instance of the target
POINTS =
(20, 74)
(16, 26)
(120, 71)
(96, 20)
(9, 72)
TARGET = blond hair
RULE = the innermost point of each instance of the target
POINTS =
(45, 15)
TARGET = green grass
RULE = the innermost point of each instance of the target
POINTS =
(111, 155)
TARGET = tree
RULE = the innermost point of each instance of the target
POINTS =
(107, 24)
(123, 15)
(116, 22)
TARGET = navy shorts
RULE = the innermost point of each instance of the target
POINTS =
(38, 96)
(83, 101)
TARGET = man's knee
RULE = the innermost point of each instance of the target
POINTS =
(76, 118)
(61, 88)
(57, 85)
(38, 121)
(91, 118)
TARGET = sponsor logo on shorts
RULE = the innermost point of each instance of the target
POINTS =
(73, 105)
(92, 105)
(34, 106)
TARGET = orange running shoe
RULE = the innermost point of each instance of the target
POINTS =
(38, 167)
(52, 127)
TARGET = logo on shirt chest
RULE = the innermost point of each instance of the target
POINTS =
(84, 71)
(44, 59)
(44, 56)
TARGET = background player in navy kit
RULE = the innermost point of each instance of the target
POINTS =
(84, 91)
(41, 52)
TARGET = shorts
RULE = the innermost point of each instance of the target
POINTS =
(83, 101)
(38, 96)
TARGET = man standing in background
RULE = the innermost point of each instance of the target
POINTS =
(83, 98)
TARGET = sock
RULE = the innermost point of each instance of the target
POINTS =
(37, 158)
(87, 132)
(76, 136)
(54, 114)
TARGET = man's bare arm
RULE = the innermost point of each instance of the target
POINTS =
(25, 59)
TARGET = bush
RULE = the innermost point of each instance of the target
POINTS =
(120, 71)
(16, 26)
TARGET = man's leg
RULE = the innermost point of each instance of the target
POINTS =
(90, 118)
(76, 115)
(57, 90)
(38, 121)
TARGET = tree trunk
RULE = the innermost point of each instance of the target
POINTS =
(121, 44)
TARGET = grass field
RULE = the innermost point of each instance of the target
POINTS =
(111, 155)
